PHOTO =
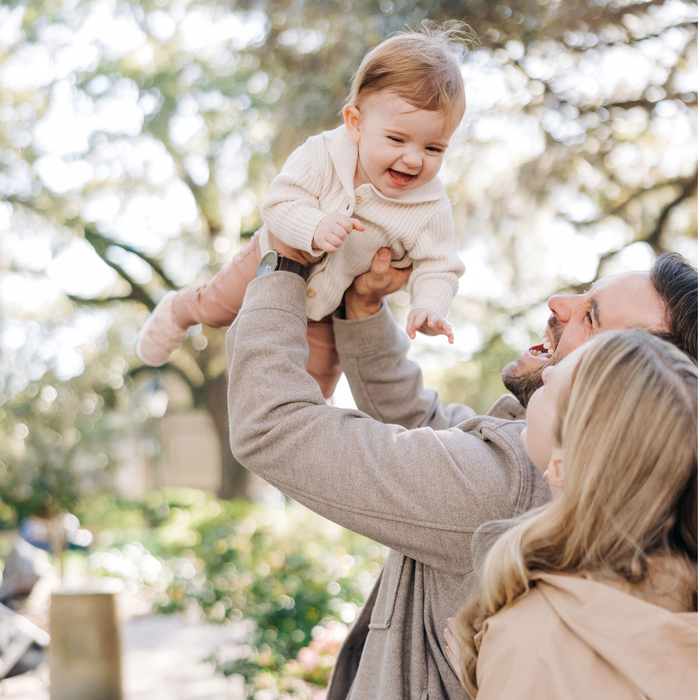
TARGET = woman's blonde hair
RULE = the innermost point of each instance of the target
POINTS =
(628, 433)
(417, 66)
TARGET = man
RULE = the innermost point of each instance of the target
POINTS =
(424, 491)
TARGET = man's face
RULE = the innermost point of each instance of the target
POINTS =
(617, 302)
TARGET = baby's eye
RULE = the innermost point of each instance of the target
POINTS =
(434, 149)
(394, 139)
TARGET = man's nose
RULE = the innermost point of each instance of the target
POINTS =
(561, 305)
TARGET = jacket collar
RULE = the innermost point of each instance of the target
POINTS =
(508, 407)
(343, 152)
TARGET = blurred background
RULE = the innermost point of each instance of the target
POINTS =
(137, 142)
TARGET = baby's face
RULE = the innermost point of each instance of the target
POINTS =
(400, 147)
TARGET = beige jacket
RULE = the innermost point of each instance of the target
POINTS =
(318, 179)
(571, 638)
(423, 492)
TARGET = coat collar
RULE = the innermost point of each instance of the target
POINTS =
(508, 407)
(343, 153)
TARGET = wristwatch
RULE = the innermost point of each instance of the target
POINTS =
(272, 261)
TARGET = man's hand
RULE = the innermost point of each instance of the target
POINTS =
(364, 296)
(333, 229)
(428, 323)
(286, 251)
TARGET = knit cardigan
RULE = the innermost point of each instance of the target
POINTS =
(317, 179)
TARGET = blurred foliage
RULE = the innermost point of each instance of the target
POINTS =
(137, 141)
(42, 429)
(295, 580)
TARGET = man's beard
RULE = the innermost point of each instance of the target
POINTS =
(522, 386)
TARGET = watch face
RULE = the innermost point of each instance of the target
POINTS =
(268, 263)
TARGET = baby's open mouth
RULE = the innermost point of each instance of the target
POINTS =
(400, 179)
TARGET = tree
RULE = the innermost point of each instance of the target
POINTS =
(138, 140)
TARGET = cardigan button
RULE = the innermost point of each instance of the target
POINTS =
(311, 292)
(358, 199)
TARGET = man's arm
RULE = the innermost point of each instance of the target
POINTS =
(421, 492)
(373, 354)
(384, 382)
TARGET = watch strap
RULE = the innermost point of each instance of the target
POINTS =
(287, 265)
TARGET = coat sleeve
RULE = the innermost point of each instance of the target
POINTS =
(291, 210)
(437, 268)
(384, 382)
(420, 492)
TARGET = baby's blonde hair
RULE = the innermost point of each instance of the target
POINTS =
(418, 66)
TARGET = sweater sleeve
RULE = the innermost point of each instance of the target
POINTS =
(437, 268)
(291, 210)
(420, 492)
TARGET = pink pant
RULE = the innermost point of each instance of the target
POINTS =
(216, 304)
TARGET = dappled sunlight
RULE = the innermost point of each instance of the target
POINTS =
(137, 144)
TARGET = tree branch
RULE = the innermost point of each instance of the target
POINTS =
(137, 292)
(623, 205)
(197, 193)
(152, 262)
(688, 188)
(632, 39)
(633, 9)
(103, 301)
(689, 185)
(197, 390)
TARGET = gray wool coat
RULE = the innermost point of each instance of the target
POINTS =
(405, 471)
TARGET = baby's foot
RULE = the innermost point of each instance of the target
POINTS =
(161, 335)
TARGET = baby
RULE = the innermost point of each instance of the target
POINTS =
(342, 195)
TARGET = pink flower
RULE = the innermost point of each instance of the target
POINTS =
(333, 635)
(308, 659)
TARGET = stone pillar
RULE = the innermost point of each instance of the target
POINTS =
(85, 648)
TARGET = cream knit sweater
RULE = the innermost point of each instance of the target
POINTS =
(318, 178)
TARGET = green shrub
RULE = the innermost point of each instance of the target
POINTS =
(297, 578)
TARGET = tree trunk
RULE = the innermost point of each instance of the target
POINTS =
(234, 477)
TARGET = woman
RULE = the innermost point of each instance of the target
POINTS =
(595, 594)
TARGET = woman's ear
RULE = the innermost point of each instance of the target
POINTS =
(352, 118)
(555, 469)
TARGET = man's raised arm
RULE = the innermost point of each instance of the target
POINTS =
(373, 354)
(416, 491)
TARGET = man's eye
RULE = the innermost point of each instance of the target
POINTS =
(589, 318)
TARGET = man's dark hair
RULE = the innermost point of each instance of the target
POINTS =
(675, 280)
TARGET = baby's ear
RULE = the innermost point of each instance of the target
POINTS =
(352, 121)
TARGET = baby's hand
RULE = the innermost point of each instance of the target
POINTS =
(428, 322)
(332, 230)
